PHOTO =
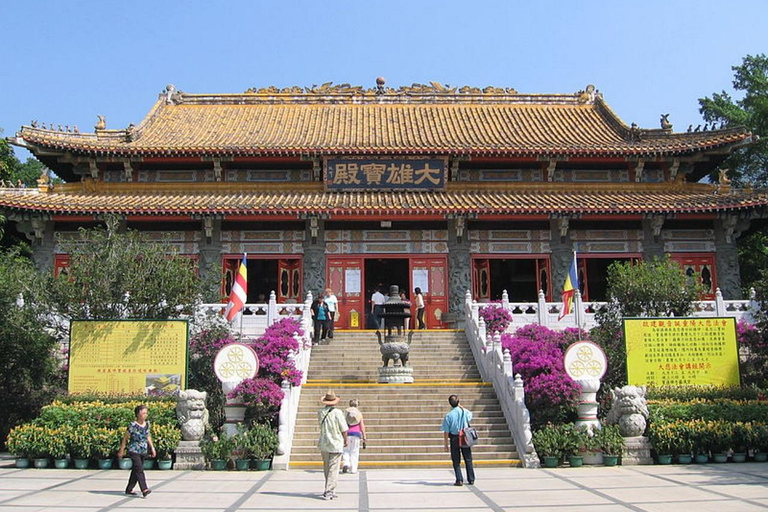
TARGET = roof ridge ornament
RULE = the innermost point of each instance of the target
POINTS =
(433, 88)
(588, 95)
(171, 96)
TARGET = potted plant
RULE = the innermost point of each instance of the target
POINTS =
(19, 443)
(548, 442)
(575, 444)
(262, 443)
(700, 440)
(218, 451)
(720, 439)
(58, 447)
(165, 439)
(80, 446)
(241, 448)
(759, 441)
(608, 440)
(662, 437)
(741, 434)
(103, 446)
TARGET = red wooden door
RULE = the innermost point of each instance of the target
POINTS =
(431, 275)
(481, 279)
(703, 266)
(345, 278)
(289, 281)
(230, 271)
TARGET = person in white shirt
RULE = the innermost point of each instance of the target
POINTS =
(418, 300)
(333, 304)
(377, 301)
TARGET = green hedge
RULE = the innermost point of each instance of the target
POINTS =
(709, 410)
(101, 414)
(689, 393)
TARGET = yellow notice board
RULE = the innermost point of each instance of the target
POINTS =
(128, 356)
(682, 351)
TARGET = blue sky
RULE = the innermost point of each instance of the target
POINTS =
(67, 61)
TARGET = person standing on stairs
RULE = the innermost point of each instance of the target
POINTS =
(457, 419)
(356, 437)
(418, 300)
(321, 315)
(332, 441)
(333, 303)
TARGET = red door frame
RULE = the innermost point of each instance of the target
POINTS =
(352, 307)
(581, 263)
(697, 259)
(477, 259)
(231, 261)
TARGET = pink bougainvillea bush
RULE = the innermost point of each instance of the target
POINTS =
(262, 394)
(537, 355)
(496, 318)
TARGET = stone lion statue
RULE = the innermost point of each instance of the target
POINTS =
(192, 414)
(628, 410)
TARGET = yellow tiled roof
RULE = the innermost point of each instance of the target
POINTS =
(301, 199)
(353, 121)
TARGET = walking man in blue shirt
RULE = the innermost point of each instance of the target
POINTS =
(457, 419)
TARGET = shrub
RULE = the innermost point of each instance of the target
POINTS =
(496, 318)
(262, 441)
(165, 438)
(262, 398)
(753, 351)
(608, 440)
(549, 440)
(217, 448)
(537, 355)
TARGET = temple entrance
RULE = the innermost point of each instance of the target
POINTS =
(379, 274)
(521, 277)
(354, 278)
(266, 275)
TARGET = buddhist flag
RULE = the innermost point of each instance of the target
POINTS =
(569, 288)
(239, 293)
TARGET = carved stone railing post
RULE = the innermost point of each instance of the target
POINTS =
(719, 303)
(542, 310)
(272, 315)
(505, 300)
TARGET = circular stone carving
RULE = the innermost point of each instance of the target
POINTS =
(235, 363)
(585, 360)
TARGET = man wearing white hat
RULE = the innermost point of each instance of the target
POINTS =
(333, 439)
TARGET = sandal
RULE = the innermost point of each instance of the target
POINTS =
(146, 492)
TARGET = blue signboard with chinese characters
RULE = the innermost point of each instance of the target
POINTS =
(385, 173)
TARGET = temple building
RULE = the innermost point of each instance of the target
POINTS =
(430, 186)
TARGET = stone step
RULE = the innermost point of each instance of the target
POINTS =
(411, 457)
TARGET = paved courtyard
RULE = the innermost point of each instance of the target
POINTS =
(701, 488)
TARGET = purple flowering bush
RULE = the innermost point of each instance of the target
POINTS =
(496, 318)
(262, 398)
(753, 352)
(537, 355)
(273, 348)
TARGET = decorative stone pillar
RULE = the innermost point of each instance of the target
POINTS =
(40, 233)
(459, 267)
(653, 244)
(727, 230)
(562, 251)
(210, 251)
(314, 255)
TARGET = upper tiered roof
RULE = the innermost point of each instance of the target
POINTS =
(330, 120)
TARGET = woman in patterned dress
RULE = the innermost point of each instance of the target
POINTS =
(139, 442)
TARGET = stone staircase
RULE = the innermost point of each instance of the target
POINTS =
(402, 420)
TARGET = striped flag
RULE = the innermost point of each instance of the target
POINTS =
(569, 288)
(239, 293)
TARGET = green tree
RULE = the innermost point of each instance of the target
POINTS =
(29, 370)
(114, 274)
(748, 164)
(655, 288)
